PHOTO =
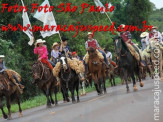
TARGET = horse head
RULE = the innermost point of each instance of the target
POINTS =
(92, 52)
(37, 70)
(63, 61)
(118, 44)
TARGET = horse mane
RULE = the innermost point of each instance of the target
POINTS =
(124, 45)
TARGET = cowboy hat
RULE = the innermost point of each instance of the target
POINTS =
(2, 56)
(144, 34)
(122, 26)
(89, 33)
(154, 27)
(55, 44)
(39, 41)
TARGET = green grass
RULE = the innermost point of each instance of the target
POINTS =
(41, 100)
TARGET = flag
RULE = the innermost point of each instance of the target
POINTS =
(47, 19)
(26, 23)
(98, 3)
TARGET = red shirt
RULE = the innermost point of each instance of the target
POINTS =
(125, 36)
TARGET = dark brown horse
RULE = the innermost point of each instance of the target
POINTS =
(8, 90)
(45, 80)
(97, 70)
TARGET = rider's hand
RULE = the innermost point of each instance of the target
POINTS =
(39, 59)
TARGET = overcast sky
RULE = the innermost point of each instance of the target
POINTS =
(158, 3)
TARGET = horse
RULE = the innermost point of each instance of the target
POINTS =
(45, 80)
(69, 80)
(10, 91)
(126, 62)
(97, 69)
(111, 75)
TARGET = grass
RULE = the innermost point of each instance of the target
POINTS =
(41, 100)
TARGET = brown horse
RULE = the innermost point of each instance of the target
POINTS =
(97, 70)
(111, 75)
(45, 80)
(8, 90)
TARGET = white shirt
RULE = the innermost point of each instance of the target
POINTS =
(55, 54)
(109, 55)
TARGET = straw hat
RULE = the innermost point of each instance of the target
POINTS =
(122, 26)
(40, 41)
(144, 34)
(154, 27)
(89, 33)
(55, 44)
(2, 56)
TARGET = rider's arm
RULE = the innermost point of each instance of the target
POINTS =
(3, 67)
(86, 45)
(160, 37)
(44, 55)
(98, 46)
(35, 50)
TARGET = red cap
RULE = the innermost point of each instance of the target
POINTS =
(73, 53)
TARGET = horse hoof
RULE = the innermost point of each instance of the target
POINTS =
(48, 106)
(5, 116)
(20, 114)
(73, 102)
(135, 88)
(56, 103)
(78, 101)
(141, 84)
(105, 92)
(52, 102)
(9, 117)
(128, 90)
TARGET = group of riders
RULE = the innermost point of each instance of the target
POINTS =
(63, 48)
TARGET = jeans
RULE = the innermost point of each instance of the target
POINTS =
(52, 63)
(105, 59)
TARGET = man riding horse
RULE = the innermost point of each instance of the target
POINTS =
(127, 38)
(12, 75)
(94, 44)
(73, 63)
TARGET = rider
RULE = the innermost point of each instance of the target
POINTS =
(109, 57)
(55, 52)
(143, 40)
(127, 38)
(93, 43)
(64, 49)
(154, 33)
(14, 78)
(75, 55)
(42, 52)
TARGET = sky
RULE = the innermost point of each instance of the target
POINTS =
(158, 3)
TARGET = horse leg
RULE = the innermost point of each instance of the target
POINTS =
(77, 91)
(133, 79)
(20, 110)
(104, 85)
(55, 93)
(126, 79)
(51, 99)
(47, 97)
(114, 81)
(8, 107)
(1, 106)
(72, 95)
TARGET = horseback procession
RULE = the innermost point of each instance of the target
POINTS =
(63, 71)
